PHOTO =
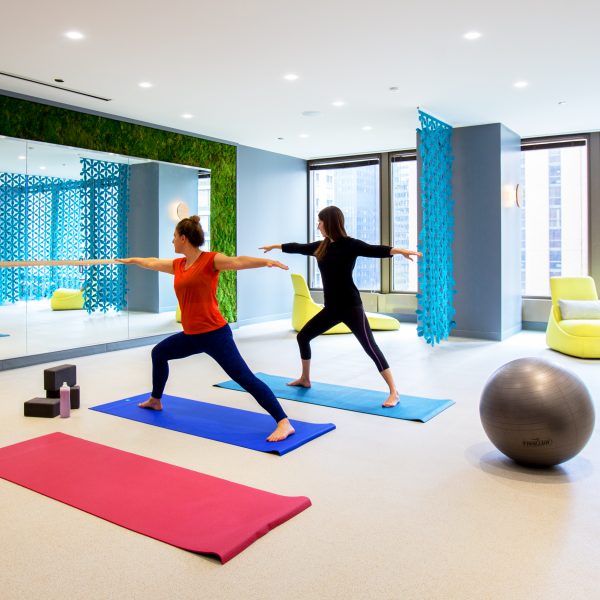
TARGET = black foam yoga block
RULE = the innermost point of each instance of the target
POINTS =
(53, 393)
(56, 376)
(75, 396)
(42, 407)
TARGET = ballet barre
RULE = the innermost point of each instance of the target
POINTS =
(58, 263)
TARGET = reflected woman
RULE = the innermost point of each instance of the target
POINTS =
(336, 256)
(205, 329)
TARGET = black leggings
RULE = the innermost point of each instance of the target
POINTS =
(219, 345)
(356, 320)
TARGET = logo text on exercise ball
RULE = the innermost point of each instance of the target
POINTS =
(537, 442)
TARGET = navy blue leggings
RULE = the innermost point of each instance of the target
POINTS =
(219, 345)
(356, 320)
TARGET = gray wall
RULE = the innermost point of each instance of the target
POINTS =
(510, 285)
(486, 245)
(175, 184)
(154, 188)
(272, 209)
(142, 226)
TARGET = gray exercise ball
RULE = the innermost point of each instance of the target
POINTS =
(536, 413)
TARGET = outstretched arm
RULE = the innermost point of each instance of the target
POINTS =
(239, 263)
(408, 254)
(306, 249)
(164, 265)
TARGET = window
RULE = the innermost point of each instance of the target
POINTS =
(554, 217)
(404, 232)
(204, 206)
(353, 186)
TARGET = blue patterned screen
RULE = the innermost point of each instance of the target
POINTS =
(46, 218)
(436, 281)
(105, 203)
(36, 221)
(13, 241)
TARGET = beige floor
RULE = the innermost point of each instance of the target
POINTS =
(400, 510)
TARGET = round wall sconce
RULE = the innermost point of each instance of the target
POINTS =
(178, 209)
(182, 210)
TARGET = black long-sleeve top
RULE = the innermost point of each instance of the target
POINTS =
(337, 265)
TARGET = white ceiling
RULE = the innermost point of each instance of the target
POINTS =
(50, 160)
(224, 63)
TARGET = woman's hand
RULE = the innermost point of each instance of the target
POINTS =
(270, 247)
(408, 254)
(276, 263)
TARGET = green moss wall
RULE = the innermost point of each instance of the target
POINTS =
(39, 122)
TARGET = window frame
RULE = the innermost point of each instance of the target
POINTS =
(401, 156)
(354, 160)
(566, 141)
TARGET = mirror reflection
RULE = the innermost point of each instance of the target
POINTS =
(62, 204)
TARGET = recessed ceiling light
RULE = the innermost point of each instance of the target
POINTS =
(21, 157)
(472, 35)
(520, 84)
(303, 135)
(186, 116)
(561, 102)
(311, 113)
(280, 138)
(338, 103)
(290, 77)
(42, 168)
(74, 35)
(145, 84)
(59, 80)
(367, 128)
(394, 88)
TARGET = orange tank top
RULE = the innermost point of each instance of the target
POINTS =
(196, 291)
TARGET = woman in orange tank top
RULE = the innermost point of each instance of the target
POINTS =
(204, 327)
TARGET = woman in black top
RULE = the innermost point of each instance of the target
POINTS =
(336, 256)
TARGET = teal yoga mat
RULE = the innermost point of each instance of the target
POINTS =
(410, 408)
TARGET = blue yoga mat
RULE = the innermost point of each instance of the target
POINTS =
(4, 334)
(221, 423)
(410, 408)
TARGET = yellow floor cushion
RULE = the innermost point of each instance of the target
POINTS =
(65, 299)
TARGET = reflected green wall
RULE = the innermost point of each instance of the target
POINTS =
(40, 122)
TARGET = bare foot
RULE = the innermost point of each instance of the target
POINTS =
(392, 400)
(284, 429)
(152, 403)
(300, 383)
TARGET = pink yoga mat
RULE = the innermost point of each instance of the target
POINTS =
(178, 506)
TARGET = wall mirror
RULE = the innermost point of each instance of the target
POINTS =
(64, 203)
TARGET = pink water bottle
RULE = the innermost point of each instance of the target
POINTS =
(65, 401)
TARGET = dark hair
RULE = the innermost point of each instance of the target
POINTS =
(333, 221)
(191, 228)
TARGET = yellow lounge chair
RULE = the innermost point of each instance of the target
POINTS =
(576, 337)
(305, 308)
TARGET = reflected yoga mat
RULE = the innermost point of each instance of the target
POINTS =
(221, 423)
(4, 334)
(410, 408)
(184, 508)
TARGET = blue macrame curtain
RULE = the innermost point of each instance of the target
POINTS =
(105, 203)
(436, 280)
